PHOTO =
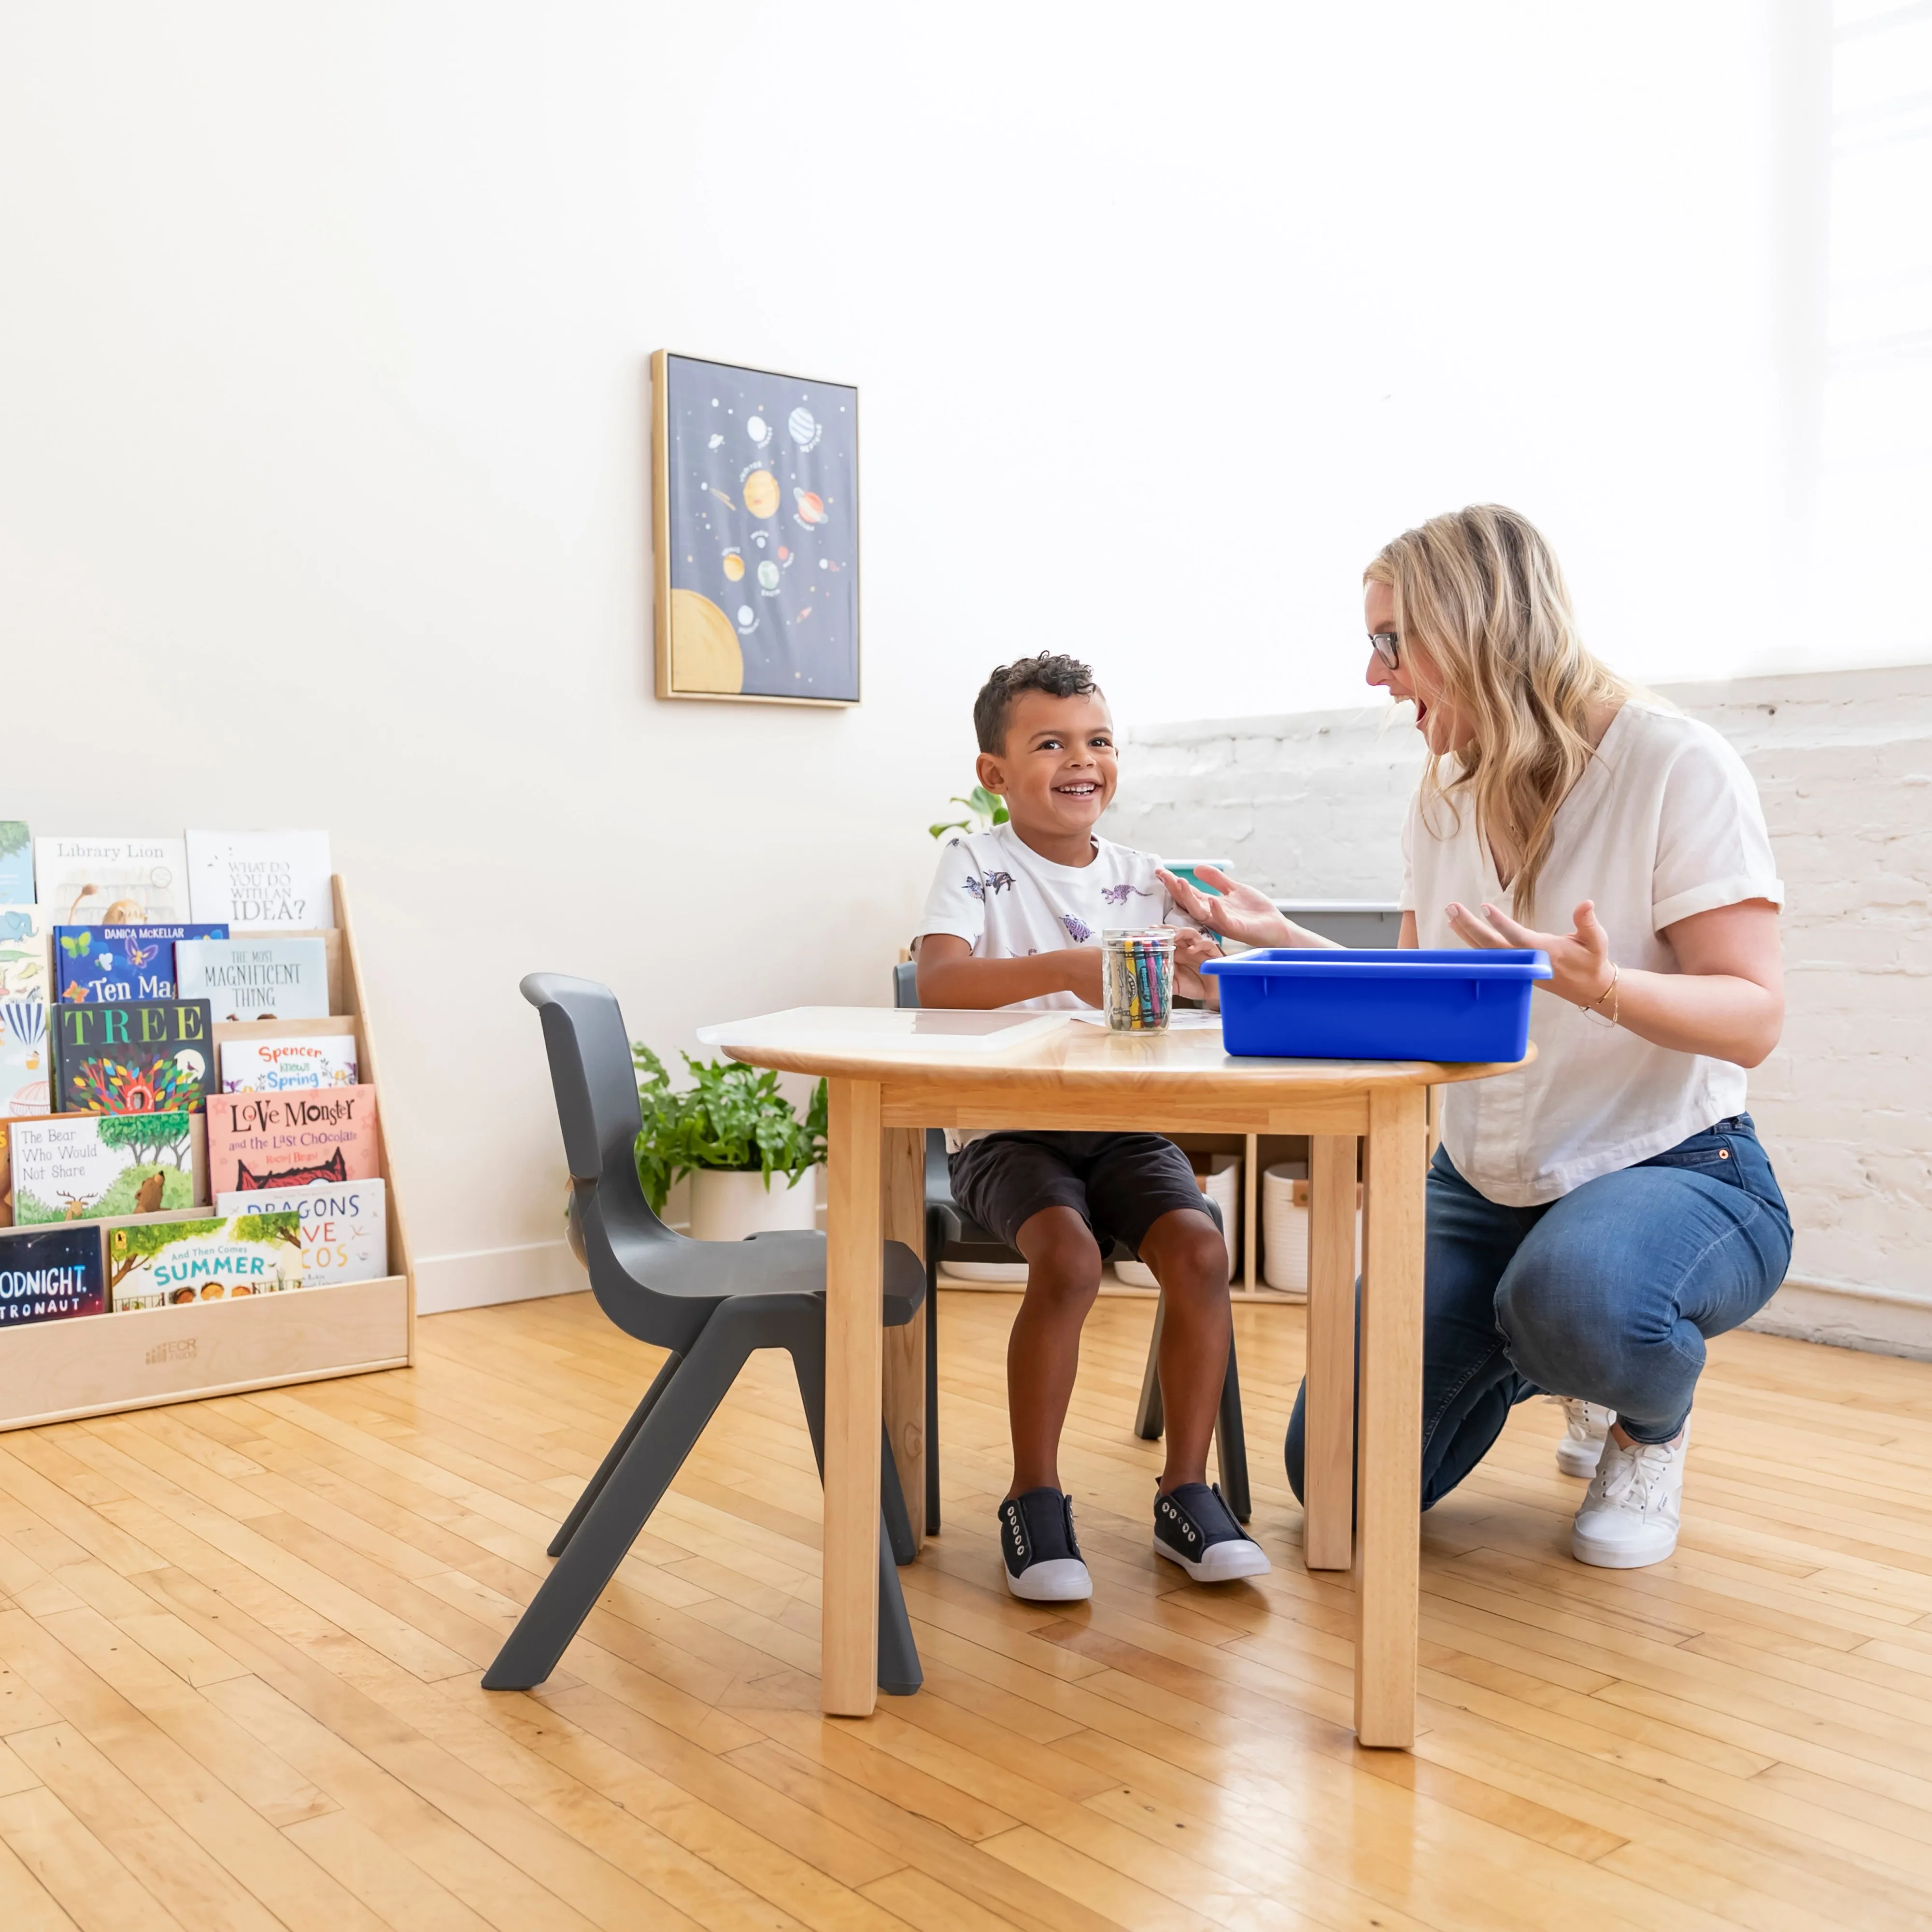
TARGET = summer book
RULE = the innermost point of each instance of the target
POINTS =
(48, 1274)
(111, 881)
(25, 1059)
(98, 964)
(16, 863)
(132, 1056)
(345, 1228)
(266, 978)
(261, 878)
(69, 1167)
(25, 935)
(202, 1257)
(277, 1066)
(256, 1142)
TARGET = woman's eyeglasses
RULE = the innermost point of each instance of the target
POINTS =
(1385, 646)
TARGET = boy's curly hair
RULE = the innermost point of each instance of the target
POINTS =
(1053, 672)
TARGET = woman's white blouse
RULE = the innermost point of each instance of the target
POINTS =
(1665, 822)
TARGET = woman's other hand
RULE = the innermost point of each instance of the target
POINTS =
(1191, 951)
(1579, 961)
(1242, 912)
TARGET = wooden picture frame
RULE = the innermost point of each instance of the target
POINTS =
(754, 534)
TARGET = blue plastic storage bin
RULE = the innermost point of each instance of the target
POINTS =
(1301, 1003)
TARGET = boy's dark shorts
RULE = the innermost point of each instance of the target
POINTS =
(1120, 1184)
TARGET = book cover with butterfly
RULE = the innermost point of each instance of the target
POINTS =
(132, 1056)
(72, 1167)
(277, 1066)
(100, 964)
(25, 937)
(317, 1138)
(50, 1274)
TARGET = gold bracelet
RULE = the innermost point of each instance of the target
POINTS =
(1595, 1006)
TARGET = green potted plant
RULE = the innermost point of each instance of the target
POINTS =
(753, 1162)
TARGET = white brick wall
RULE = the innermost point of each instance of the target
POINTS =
(1309, 805)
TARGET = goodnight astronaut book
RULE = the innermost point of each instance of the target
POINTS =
(50, 1274)
(97, 963)
(132, 1056)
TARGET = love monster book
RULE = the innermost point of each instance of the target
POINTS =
(279, 1066)
(345, 1229)
(220, 1258)
(98, 964)
(26, 1070)
(25, 939)
(111, 881)
(132, 1056)
(16, 863)
(256, 1142)
(50, 1275)
(269, 978)
(262, 878)
(73, 1167)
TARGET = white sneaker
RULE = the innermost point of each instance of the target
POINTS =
(1585, 1425)
(1629, 1517)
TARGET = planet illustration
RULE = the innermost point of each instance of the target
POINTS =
(721, 497)
(810, 506)
(734, 565)
(768, 575)
(761, 493)
(758, 430)
(803, 428)
(704, 651)
(745, 613)
(714, 442)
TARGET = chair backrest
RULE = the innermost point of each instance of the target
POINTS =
(905, 984)
(590, 1071)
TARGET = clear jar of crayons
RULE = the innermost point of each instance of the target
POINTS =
(1137, 979)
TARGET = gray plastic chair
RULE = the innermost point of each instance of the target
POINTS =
(711, 1304)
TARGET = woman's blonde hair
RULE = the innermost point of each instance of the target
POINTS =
(1483, 593)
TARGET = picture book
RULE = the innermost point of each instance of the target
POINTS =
(16, 863)
(50, 1274)
(6, 1127)
(216, 1257)
(261, 878)
(71, 1167)
(111, 881)
(25, 1071)
(100, 963)
(24, 940)
(261, 1141)
(276, 1066)
(264, 978)
(345, 1228)
(132, 1056)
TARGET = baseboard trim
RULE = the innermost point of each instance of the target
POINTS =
(1849, 1315)
(484, 1276)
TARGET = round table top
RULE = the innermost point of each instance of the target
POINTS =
(1055, 1051)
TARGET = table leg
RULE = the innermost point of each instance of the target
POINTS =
(902, 1184)
(1328, 1434)
(854, 1298)
(1388, 1469)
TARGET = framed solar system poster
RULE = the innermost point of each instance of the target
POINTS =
(755, 531)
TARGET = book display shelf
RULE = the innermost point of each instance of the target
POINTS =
(60, 1371)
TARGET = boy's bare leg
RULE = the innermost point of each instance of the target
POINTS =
(1189, 1260)
(1043, 1352)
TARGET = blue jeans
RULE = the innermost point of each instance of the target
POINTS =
(1609, 1294)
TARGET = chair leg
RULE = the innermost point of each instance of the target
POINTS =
(899, 1673)
(1150, 1419)
(1231, 1443)
(623, 1504)
(935, 1239)
(892, 1503)
(615, 1455)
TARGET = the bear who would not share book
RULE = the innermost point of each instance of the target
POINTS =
(97, 965)
(132, 1056)
(317, 1138)
(215, 1258)
(71, 1166)
(50, 1274)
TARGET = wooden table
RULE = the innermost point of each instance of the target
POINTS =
(1079, 1077)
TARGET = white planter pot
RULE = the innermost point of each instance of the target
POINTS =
(728, 1207)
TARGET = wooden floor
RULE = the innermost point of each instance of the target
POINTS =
(240, 1642)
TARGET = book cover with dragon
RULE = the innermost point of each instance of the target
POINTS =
(100, 964)
(73, 1167)
(26, 940)
(26, 1072)
(345, 1228)
(132, 1056)
(256, 1142)
(205, 1258)
(50, 1274)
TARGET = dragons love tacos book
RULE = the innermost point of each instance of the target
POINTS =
(318, 1137)
(132, 1056)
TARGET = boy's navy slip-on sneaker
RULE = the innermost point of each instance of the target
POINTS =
(1043, 1556)
(1194, 1527)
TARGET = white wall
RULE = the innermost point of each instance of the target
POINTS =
(323, 416)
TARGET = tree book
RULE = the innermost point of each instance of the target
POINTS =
(111, 881)
(25, 939)
(281, 1065)
(48, 1274)
(345, 1228)
(257, 1141)
(99, 965)
(260, 977)
(71, 1167)
(202, 1257)
(132, 1056)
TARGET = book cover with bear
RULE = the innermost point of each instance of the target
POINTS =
(70, 1167)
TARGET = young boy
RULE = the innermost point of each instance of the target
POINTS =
(1015, 919)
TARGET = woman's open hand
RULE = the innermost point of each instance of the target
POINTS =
(1242, 912)
(1579, 962)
